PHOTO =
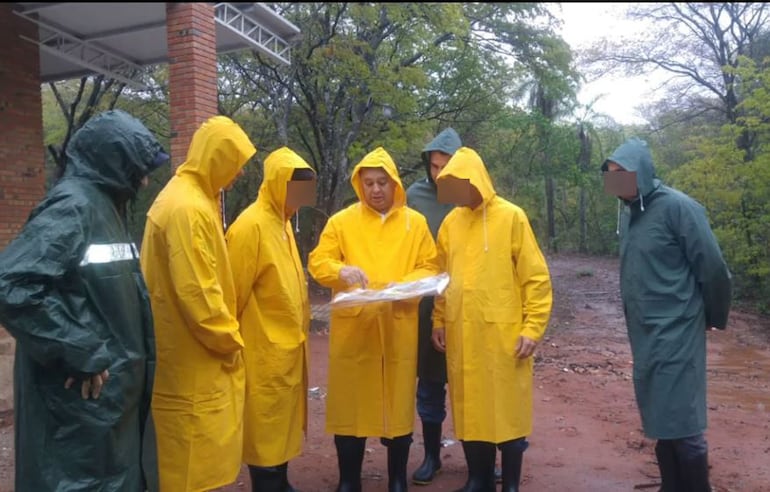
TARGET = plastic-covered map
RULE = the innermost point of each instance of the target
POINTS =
(428, 286)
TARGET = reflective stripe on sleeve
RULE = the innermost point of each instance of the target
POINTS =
(109, 253)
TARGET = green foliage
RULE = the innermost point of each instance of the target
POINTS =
(733, 183)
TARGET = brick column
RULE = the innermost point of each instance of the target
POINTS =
(22, 180)
(192, 56)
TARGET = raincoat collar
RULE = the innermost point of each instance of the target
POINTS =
(278, 169)
(218, 151)
(467, 164)
(379, 158)
(115, 151)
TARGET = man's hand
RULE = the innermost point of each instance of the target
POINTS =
(439, 342)
(91, 386)
(525, 347)
(352, 275)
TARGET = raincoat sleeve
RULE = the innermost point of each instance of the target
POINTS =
(243, 250)
(708, 265)
(54, 327)
(440, 263)
(325, 261)
(193, 271)
(533, 276)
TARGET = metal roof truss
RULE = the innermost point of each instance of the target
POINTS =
(89, 54)
(256, 35)
(83, 53)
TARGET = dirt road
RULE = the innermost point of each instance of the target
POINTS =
(587, 435)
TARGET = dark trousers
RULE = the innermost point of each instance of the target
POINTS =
(431, 401)
(683, 464)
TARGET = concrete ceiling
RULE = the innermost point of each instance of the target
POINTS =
(78, 39)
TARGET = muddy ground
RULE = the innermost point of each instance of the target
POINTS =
(587, 435)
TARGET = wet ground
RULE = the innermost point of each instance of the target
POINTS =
(587, 435)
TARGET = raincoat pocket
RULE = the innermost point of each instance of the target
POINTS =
(502, 328)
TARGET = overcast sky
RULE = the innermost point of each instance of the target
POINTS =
(583, 24)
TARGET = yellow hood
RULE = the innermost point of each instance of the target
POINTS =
(218, 151)
(379, 157)
(467, 164)
(279, 167)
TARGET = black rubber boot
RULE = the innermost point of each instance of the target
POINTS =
(266, 479)
(668, 466)
(350, 457)
(511, 458)
(480, 458)
(284, 469)
(398, 456)
(431, 465)
(694, 472)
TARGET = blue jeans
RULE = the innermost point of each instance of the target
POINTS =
(431, 401)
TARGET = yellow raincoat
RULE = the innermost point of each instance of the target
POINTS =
(373, 348)
(274, 315)
(197, 402)
(499, 289)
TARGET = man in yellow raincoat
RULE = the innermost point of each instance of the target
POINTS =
(197, 401)
(274, 315)
(490, 318)
(373, 348)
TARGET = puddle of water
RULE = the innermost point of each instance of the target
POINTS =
(742, 375)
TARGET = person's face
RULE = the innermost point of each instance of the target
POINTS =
(236, 178)
(614, 167)
(378, 188)
(476, 198)
(438, 160)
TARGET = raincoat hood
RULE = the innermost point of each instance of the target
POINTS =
(279, 167)
(379, 158)
(634, 155)
(448, 141)
(467, 164)
(218, 151)
(115, 151)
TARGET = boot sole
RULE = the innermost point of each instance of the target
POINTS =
(426, 482)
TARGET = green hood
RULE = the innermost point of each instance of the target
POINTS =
(634, 155)
(115, 151)
(448, 141)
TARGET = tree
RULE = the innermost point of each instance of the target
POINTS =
(384, 74)
(701, 40)
(367, 74)
(77, 104)
(736, 190)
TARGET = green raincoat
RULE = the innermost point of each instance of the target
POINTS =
(674, 285)
(72, 294)
(499, 290)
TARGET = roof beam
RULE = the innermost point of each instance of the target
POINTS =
(68, 47)
(126, 30)
(256, 35)
(34, 8)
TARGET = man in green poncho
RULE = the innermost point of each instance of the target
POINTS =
(73, 297)
(675, 285)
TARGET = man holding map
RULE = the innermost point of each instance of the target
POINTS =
(371, 244)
